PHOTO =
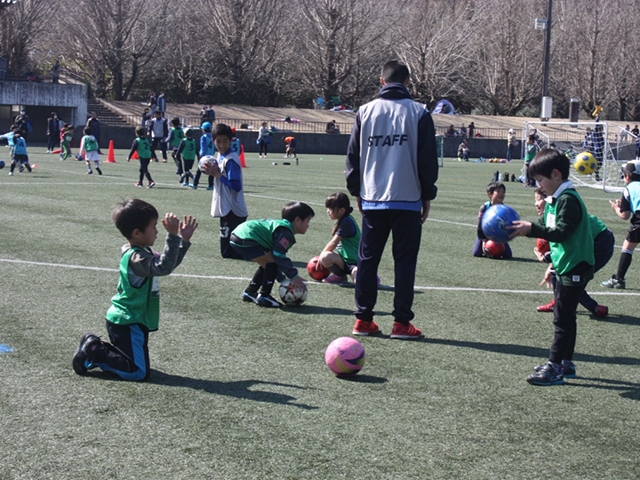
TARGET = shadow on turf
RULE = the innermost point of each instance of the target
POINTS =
(526, 351)
(620, 319)
(239, 389)
(628, 389)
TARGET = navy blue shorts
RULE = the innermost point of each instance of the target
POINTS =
(249, 249)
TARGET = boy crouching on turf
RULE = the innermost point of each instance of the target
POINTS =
(135, 309)
(266, 242)
(565, 224)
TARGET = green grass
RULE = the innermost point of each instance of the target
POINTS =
(242, 392)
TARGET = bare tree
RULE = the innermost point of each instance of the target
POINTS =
(21, 32)
(345, 45)
(119, 38)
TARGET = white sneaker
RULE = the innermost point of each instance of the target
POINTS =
(11, 174)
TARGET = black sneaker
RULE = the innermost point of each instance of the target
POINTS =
(99, 171)
(268, 301)
(248, 296)
(81, 353)
(568, 369)
(547, 376)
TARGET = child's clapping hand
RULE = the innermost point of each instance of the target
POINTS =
(187, 227)
(171, 223)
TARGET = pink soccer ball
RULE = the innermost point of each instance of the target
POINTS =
(345, 356)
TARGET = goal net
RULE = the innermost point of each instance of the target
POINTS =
(612, 149)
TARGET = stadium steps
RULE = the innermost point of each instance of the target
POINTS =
(106, 115)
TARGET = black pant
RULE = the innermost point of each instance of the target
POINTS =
(196, 179)
(144, 170)
(154, 145)
(407, 230)
(564, 314)
(227, 224)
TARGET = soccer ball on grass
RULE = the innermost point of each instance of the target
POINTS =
(292, 295)
(344, 356)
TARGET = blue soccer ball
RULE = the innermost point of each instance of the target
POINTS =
(1, 163)
(496, 220)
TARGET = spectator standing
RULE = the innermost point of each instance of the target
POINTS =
(53, 132)
(55, 72)
(264, 139)
(211, 115)
(94, 124)
(152, 103)
(511, 143)
(203, 114)
(391, 169)
(471, 129)
(23, 122)
(161, 104)
(146, 118)
(635, 132)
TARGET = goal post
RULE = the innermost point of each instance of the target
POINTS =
(611, 149)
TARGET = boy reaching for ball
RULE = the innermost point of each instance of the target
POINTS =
(267, 242)
(496, 192)
(565, 224)
(135, 309)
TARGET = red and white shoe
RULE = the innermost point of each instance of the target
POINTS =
(405, 332)
(364, 329)
(548, 307)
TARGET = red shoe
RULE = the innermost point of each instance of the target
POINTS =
(548, 307)
(600, 311)
(405, 332)
(363, 328)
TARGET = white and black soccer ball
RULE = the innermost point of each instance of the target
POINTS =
(205, 162)
(292, 295)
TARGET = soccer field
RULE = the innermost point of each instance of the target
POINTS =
(242, 392)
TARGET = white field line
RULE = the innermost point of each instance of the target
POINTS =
(244, 279)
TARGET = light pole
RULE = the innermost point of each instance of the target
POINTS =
(545, 24)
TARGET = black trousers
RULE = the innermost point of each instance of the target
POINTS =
(406, 229)
(227, 224)
(154, 145)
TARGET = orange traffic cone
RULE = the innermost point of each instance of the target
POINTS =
(135, 155)
(243, 164)
(111, 156)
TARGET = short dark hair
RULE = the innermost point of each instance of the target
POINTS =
(547, 160)
(133, 214)
(87, 130)
(141, 131)
(395, 72)
(175, 121)
(294, 210)
(222, 129)
(493, 186)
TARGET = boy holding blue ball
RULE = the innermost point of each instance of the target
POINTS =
(496, 192)
(565, 224)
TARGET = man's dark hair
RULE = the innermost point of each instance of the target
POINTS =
(133, 214)
(547, 160)
(294, 210)
(395, 72)
(222, 129)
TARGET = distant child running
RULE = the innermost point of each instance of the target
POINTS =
(66, 135)
(627, 207)
(565, 224)
(142, 145)
(267, 242)
(20, 156)
(89, 149)
(135, 308)
(603, 245)
(496, 192)
(228, 196)
(187, 154)
(340, 255)
(207, 147)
